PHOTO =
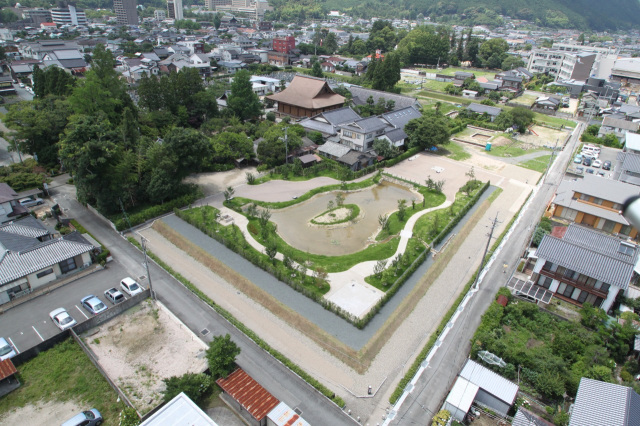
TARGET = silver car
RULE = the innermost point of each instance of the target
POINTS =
(30, 202)
(62, 319)
(130, 286)
(6, 349)
(86, 418)
(94, 305)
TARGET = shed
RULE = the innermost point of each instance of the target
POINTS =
(248, 397)
(495, 391)
(8, 382)
(470, 94)
(181, 410)
(460, 398)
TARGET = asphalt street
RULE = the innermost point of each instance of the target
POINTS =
(432, 387)
(28, 324)
(205, 322)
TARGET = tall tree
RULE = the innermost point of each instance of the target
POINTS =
(432, 129)
(243, 101)
(316, 70)
(221, 356)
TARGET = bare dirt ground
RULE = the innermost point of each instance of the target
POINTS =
(42, 413)
(143, 346)
(545, 136)
(214, 182)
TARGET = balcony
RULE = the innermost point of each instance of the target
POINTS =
(574, 283)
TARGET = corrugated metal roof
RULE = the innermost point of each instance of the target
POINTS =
(7, 369)
(589, 260)
(601, 403)
(629, 161)
(283, 415)
(253, 397)
(489, 381)
(462, 394)
(181, 410)
(16, 265)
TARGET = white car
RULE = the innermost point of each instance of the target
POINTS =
(30, 202)
(6, 350)
(62, 319)
(21, 85)
(596, 163)
(130, 286)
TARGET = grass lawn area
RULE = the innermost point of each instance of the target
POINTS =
(512, 150)
(64, 373)
(553, 121)
(539, 164)
(452, 70)
(332, 173)
(444, 97)
(455, 151)
(526, 100)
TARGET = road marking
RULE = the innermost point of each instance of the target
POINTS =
(34, 329)
(81, 312)
(13, 344)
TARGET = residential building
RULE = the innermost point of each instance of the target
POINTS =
(327, 122)
(577, 66)
(359, 135)
(174, 9)
(38, 49)
(632, 143)
(579, 265)
(627, 168)
(180, 410)
(618, 126)
(525, 417)
(32, 257)
(602, 403)
(6, 85)
(626, 71)
(306, 96)
(595, 202)
(213, 4)
(284, 44)
(360, 95)
(547, 103)
(69, 60)
(159, 15)
(546, 61)
(481, 109)
(10, 209)
(126, 12)
(68, 16)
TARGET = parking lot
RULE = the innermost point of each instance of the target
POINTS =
(606, 154)
(28, 324)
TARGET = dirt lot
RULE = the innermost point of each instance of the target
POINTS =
(42, 414)
(545, 136)
(143, 346)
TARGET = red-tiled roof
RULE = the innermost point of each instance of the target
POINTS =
(559, 231)
(253, 397)
(7, 369)
(502, 300)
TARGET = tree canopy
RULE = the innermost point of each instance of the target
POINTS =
(243, 101)
(432, 129)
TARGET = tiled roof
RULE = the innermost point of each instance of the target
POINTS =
(399, 118)
(333, 149)
(361, 94)
(629, 162)
(14, 265)
(602, 403)
(27, 227)
(481, 109)
(7, 369)
(525, 417)
(605, 189)
(7, 193)
(253, 397)
(396, 135)
(590, 253)
(369, 124)
(308, 92)
(620, 124)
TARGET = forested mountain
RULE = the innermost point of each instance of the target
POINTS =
(583, 14)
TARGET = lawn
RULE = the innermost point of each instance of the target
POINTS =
(64, 373)
(452, 70)
(512, 150)
(455, 151)
(525, 100)
(539, 164)
(444, 97)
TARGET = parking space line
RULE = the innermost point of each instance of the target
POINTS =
(34, 329)
(13, 344)
(81, 312)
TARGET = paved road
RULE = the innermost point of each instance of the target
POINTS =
(198, 316)
(433, 386)
(28, 324)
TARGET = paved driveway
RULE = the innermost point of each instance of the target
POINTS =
(28, 324)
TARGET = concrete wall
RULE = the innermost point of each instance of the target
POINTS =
(35, 282)
(238, 409)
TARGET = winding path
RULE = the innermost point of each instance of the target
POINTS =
(348, 290)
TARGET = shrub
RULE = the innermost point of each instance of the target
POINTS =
(155, 211)
(221, 356)
(195, 386)
(271, 116)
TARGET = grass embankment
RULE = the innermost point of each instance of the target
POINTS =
(455, 151)
(443, 97)
(395, 225)
(61, 374)
(539, 164)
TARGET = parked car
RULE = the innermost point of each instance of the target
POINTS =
(94, 305)
(130, 286)
(114, 295)
(600, 173)
(580, 170)
(30, 202)
(586, 161)
(606, 165)
(578, 159)
(6, 349)
(62, 319)
(21, 85)
(86, 418)
(590, 171)
(597, 164)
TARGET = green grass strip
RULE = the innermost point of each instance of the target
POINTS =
(246, 330)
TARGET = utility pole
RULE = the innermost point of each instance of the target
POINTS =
(146, 264)
(551, 160)
(286, 146)
(494, 223)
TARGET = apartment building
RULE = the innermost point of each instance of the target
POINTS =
(126, 13)
(546, 61)
(577, 66)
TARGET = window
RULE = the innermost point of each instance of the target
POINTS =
(568, 291)
(605, 288)
(583, 296)
(608, 226)
(590, 282)
(625, 230)
(627, 249)
(67, 265)
(561, 270)
(44, 273)
(544, 281)
(597, 201)
(547, 266)
(569, 274)
(584, 197)
(358, 136)
(347, 134)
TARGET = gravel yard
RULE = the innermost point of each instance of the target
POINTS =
(141, 347)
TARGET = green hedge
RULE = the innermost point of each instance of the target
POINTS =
(397, 393)
(155, 211)
(246, 330)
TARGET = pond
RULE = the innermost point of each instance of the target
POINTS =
(295, 228)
